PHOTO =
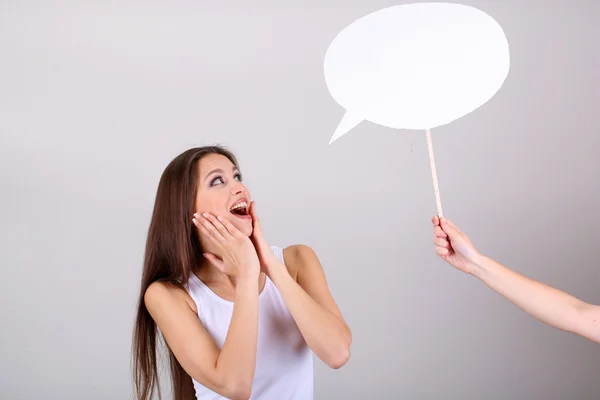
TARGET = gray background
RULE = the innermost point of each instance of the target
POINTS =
(96, 99)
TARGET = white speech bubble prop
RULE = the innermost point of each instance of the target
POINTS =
(416, 66)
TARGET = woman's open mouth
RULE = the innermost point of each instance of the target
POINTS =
(240, 210)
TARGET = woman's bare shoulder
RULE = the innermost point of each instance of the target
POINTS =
(295, 257)
(162, 294)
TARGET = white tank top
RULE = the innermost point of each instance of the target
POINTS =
(284, 362)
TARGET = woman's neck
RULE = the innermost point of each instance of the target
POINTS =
(211, 275)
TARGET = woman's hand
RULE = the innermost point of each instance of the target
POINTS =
(239, 257)
(265, 253)
(453, 246)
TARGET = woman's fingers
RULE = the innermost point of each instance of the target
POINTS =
(253, 212)
(439, 232)
(214, 260)
(232, 230)
(449, 225)
(441, 251)
(255, 221)
(440, 242)
(208, 229)
(218, 223)
(203, 230)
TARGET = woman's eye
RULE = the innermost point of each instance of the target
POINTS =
(217, 180)
(238, 177)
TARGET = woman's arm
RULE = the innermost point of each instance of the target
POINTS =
(545, 303)
(309, 300)
(306, 296)
(230, 371)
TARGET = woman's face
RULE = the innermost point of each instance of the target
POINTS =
(222, 193)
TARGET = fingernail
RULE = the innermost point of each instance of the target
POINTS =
(205, 215)
(220, 218)
(194, 220)
(196, 215)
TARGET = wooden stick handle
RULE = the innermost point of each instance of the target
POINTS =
(436, 189)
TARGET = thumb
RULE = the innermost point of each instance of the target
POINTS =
(448, 227)
(214, 260)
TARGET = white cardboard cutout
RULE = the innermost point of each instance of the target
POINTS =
(416, 66)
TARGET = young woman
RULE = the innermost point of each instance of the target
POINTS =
(549, 305)
(241, 319)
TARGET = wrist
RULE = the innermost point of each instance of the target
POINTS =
(479, 265)
(246, 287)
(249, 273)
(276, 270)
(270, 261)
(246, 291)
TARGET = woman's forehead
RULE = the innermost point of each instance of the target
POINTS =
(213, 162)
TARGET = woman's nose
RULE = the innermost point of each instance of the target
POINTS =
(237, 188)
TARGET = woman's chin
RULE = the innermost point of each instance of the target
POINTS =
(247, 230)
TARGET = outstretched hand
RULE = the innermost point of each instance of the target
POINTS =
(265, 253)
(453, 246)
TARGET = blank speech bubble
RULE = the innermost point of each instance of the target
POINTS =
(415, 66)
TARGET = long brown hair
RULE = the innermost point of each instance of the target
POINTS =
(172, 249)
